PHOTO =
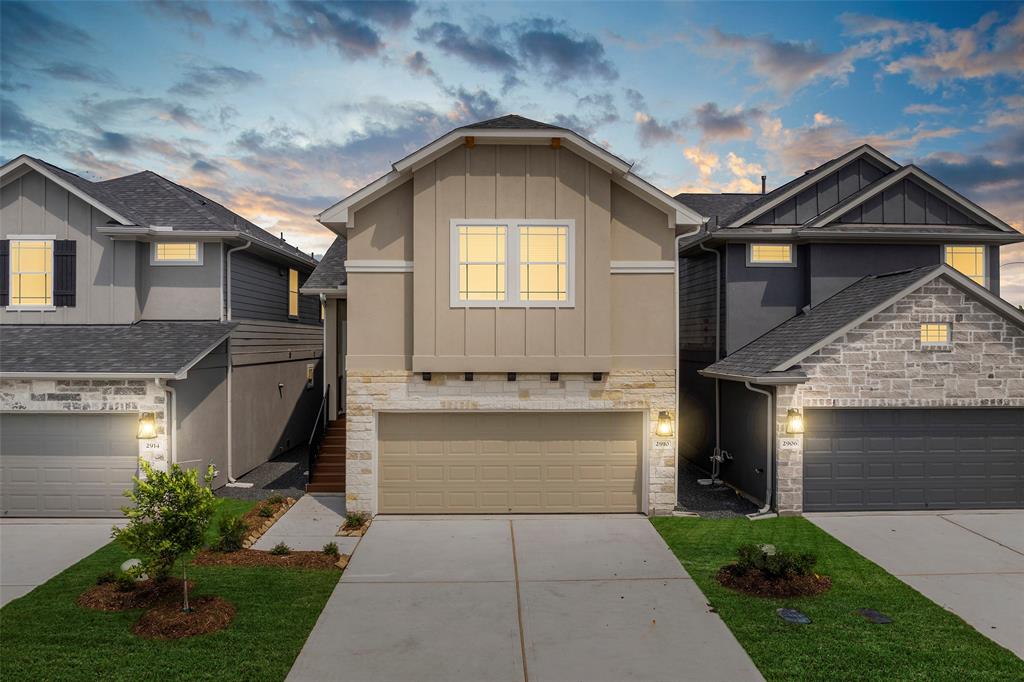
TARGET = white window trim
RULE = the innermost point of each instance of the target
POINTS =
(512, 263)
(984, 261)
(30, 307)
(199, 253)
(791, 263)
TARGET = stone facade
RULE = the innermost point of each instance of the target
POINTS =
(881, 363)
(90, 395)
(372, 391)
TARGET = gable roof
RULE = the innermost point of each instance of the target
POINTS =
(155, 204)
(329, 277)
(718, 207)
(511, 128)
(772, 357)
(152, 349)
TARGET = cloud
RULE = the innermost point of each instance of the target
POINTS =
(983, 50)
(926, 109)
(395, 14)
(742, 177)
(92, 113)
(706, 161)
(192, 13)
(1009, 113)
(18, 128)
(597, 110)
(418, 64)
(484, 51)
(475, 105)
(562, 53)
(651, 131)
(24, 27)
(204, 167)
(716, 124)
(203, 81)
(77, 72)
(343, 25)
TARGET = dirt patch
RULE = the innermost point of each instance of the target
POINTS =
(167, 621)
(107, 597)
(755, 583)
(252, 557)
(259, 524)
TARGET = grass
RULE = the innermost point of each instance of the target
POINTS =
(46, 636)
(925, 642)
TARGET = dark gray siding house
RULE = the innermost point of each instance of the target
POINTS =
(138, 300)
(863, 299)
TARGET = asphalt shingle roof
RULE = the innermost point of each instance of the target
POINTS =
(140, 348)
(802, 331)
(717, 206)
(513, 122)
(330, 271)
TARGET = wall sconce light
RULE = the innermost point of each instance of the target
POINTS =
(794, 421)
(665, 428)
(147, 426)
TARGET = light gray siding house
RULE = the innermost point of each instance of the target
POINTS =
(136, 303)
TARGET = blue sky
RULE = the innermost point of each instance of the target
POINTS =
(280, 109)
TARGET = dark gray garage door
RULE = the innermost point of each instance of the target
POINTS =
(890, 459)
(66, 464)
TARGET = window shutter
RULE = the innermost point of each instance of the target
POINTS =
(5, 272)
(64, 273)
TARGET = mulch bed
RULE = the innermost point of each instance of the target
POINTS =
(258, 525)
(754, 582)
(252, 557)
(107, 597)
(167, 621)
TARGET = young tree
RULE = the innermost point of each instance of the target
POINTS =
(171, 514)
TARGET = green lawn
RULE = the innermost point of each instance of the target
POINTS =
(925, 642)
(45, 636)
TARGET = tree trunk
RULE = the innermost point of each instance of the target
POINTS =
(184, 585)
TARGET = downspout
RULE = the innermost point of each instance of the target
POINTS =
(231, 478)
(765, 512)
(172, 417)
(717, 452)
(323, 358)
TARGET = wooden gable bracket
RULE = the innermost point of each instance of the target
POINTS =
(556, 143)
(470, 141)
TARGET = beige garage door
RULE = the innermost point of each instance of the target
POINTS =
(510, 462)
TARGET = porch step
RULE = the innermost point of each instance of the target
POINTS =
(322, 467)
(329, 449)
(329, 459)
(319, 477)
(334, 438)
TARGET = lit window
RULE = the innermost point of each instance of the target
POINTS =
(543, 263)
(934, 334)
(176, 253)
(293, 293)
(31, 273)
(482, 262)
(771, 254)
(970, 260)
(322, 312)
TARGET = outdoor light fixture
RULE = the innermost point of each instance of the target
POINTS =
(665, 426)
(794, 421)
(147, 426)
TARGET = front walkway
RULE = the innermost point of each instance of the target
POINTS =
(482, 598)
(310, 524)
(969, 563)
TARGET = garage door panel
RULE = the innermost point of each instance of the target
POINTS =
(923, 459)
(520, 462)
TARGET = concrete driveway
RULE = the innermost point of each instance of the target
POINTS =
(34, 550)
(520, 598)
(970, 563)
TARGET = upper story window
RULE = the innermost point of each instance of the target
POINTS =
(770, 254)
(969, 260)
(512, 263)
(31, 273)
(293, 293)
(934, 334)
(176, 253)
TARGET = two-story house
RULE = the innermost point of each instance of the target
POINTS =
(500, 319)
(139, 318)
(843, 345)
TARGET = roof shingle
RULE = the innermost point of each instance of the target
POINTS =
(330, 271)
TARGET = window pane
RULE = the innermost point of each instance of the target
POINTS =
(970, 260)
(31, 272)
(934, 333)
(293, 293)
(177, 251)
(771, 253)
(481, 262)
(544, 256)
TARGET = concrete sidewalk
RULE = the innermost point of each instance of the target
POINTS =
(970, 563)
(309, 525)
(544, 598)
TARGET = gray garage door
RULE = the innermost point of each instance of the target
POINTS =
(66, 464)
(892, 459)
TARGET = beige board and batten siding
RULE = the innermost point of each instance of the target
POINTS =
(415, 327)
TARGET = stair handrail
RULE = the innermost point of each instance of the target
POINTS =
(317, 435)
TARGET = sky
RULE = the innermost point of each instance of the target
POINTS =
(280, 109)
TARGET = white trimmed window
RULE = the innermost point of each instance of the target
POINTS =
(934, 334)
(512, 263)
(293, 293)
(770, 254)
(31, 273)
(176, 253)
(969, 260)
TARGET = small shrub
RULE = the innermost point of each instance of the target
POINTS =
(772, 563)
(125, 582)
(231, 534)
(331, 549)
(266, 512)
(106, 577)
(281, 549)
(354, 520)
(275, 499)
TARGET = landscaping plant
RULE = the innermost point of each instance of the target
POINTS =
(276, 498)
(281, 549)
(354, 520)
(171, 514)
(266, 512)
(772, 563)
(331, 549)
(106, 577)
(231, 533)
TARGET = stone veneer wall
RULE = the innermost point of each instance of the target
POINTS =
(370, 391)
(881, 364)
(88, 395)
